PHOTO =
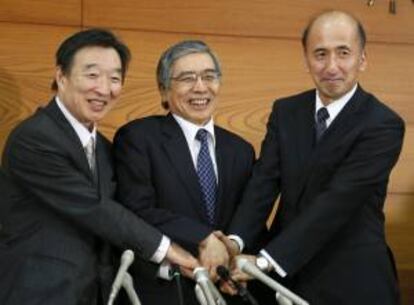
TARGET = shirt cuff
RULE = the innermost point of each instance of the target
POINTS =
(273, 263)
(164, 271)
(161, 251)
(238, 241)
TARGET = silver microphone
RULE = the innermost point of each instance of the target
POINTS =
(247, 267)
(128, 284)
(211, 295)
(126, 260)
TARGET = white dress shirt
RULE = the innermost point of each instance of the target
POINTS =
(190, 131)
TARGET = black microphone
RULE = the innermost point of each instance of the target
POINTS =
(242, 291)
(176, 274)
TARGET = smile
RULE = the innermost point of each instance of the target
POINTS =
(97, 104)
(199, 102)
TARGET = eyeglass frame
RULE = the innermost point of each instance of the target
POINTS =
(190, 78)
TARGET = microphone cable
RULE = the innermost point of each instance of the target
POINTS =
(176, 275)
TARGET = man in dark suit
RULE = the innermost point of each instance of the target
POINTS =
(162, 171)
(61, 212)
(328, 153)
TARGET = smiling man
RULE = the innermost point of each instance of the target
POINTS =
(60, 216)
(180, 172)
(328, 154)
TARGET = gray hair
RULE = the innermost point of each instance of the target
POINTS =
(175, 52)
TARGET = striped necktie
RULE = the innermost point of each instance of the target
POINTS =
(206, 175)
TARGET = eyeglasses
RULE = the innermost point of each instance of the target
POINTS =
(208, 77)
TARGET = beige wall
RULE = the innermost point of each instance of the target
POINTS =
(258, 43)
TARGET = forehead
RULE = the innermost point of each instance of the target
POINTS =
(97, 56)
(332, 32)
(193, 62)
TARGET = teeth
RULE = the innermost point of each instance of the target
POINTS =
(199, 101)
(98, 102)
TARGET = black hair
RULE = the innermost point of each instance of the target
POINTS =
(90, 38)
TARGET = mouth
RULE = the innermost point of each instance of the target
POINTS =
(332, 80)
(199, 102)
(97, 104)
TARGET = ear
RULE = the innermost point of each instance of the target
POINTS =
(164, 93)
(305, 62)
(363, 61)
(59, 77)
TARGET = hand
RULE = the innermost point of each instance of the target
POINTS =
(231, 245)
(236, 273)
(182, 258)
(226, 287)
(212, 253)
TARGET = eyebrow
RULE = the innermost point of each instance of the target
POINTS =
(90, 66)
(195, 72)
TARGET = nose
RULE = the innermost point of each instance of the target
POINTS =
(103, 86)
(199, 84)
(332, 64)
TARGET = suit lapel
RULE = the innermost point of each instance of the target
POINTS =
(343, 123)
(302, 124)
(71, 139)
(225, 161)
(176, 148)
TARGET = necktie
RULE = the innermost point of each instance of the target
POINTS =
(90, 153)
(206, 175)
(321, 116)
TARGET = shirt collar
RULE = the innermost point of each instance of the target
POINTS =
(190, 129)
(335, 106)
(83, 133)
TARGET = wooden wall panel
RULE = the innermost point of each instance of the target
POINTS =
(26, 70)
(258, 44)
(399, 227)
(281, 18)
(66, 12)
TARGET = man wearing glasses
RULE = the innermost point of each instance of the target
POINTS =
(180, 172)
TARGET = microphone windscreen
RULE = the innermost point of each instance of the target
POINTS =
(127, 257)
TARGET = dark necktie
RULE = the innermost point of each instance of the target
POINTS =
(321, 116)
(206, 175)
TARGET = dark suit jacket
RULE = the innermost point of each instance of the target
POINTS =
(157, 180)
(50, 243)
(328, 234)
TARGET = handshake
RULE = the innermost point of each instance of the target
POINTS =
(214, 251)
(218, 254)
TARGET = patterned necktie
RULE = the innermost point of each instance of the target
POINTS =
(321, 116)
(90, 154)
(206, 175)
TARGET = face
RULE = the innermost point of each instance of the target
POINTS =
(93, 84)
(193, 88)
(334, 56)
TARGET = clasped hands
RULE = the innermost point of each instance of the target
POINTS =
(215, 250)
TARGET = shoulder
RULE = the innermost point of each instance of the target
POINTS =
(231, 138)
(146, 126)
(292, 102)
(36, 126)
(378, 110)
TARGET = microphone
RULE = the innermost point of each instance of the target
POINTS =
(211, 295)
(242, 291)
(126, 260)
(128, 284)
(200, 295)
(247, 267)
